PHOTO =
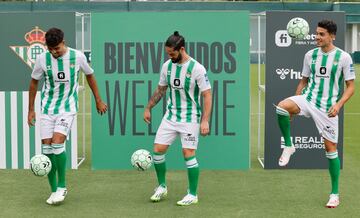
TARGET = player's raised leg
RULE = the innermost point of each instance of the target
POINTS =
(284, 110)
(193, 177)
(160, 168)
(334, 170)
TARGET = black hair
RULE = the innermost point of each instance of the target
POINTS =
(175, 41)
(329, 25)
(54, 36)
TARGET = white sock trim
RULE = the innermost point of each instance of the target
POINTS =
(158, 159)
(332, 155)
(46, 149)
(192, 163)
(281, 111)
(58, 148)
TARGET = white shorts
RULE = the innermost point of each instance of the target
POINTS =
(168, 130)
(60, 123)
(327, 126)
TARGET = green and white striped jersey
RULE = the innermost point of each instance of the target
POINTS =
(326, 73)
(59, 93)
(186, 81)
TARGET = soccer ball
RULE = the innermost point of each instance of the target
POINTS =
(141, 160)
(298, 28)
(40, 165)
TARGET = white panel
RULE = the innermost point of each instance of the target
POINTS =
(74, 147)
(37, 123)
(2, 132)
(14, 131)
(26, 135)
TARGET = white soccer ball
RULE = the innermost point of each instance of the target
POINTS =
(141, 159)
(298, 28)
(40, 165)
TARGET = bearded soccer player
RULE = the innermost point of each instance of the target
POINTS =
(59, 67)
(187, 81)
(319, 96)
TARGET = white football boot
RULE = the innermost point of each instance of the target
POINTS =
(188, 200)
(334, 201)
(50, 199)
(160, 193)
(286, 154)
(60, 195)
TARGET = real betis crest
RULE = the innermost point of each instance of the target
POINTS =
(36, 40)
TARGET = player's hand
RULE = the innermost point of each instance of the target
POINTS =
(31, 118)
(204, 128)
(147, 115)
(101, 107)
(334, 110)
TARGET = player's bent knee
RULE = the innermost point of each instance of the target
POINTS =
(58, 138)
(284, 104)
(158, 148)
(188, 152)
(46, 141)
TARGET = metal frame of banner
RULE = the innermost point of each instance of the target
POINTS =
(261, 89)
(82, 89)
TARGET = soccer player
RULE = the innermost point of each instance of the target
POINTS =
(319, 96)
(187, 80)
(59, 66)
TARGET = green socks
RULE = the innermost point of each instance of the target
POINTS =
(160, 168)
(47, 151)
(284, 124)
(193, 174)
(60, 157)
(334, 169)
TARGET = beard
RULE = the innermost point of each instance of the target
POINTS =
(178, 59)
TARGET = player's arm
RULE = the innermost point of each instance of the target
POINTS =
(101, 107)
(155, 98)
(350, 89)
(36, 75)
(32, 94)
(204, 125)
(305, 73)
(302, 84)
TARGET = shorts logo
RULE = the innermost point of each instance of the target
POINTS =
(190, 138)
(330, 131)
(63, 123)
(36, 40)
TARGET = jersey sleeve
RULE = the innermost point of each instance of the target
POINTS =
(306, 66)
(84, 66)
(348, 68)
(163, 80)
(38, 71)
(202, 79)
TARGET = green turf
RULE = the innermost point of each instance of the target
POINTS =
(252, 193)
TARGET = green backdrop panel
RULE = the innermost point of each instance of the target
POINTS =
(22, 40)
(127, 54)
